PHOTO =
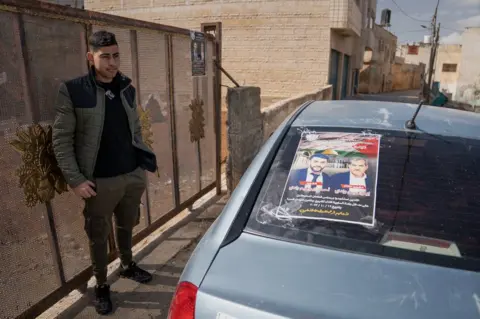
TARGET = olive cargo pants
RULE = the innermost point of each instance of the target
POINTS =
(119, 196)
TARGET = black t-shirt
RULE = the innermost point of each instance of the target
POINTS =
(116, 155)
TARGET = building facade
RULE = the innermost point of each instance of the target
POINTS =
(285, 47)
(407, 76)
(447, 63)
(468, 86)
(376, 73)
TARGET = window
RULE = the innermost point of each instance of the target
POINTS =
(427, 201)
(381, 45)
(449, 67)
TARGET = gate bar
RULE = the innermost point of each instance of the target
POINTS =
(173, 128)
(217, 91)
(196, 95)
(136, 81)
(53, 241)
(33, 113)
(88, 31)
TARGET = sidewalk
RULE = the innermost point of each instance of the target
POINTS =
(164, 260)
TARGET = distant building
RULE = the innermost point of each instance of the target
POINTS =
(447, 62)
(376, 74)
(468, 87)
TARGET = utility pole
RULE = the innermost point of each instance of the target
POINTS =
(433, 50)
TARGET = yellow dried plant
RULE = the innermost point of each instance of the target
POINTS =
(39, 174)
(145, 123)
(197, 122)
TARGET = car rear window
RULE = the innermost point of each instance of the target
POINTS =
(411, 196)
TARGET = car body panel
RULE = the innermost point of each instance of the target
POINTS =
(258, 277)
(237, 278)
(391, 116)
(207, 248)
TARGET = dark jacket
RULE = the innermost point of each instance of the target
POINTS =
(78, 126)
(297, 177)
(344, 178)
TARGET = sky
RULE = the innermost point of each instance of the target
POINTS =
(454, 16)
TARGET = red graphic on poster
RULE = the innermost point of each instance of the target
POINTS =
(368, 147)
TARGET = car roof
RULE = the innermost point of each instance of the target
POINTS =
(389, 116)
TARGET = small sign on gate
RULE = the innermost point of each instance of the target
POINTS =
(198, 53)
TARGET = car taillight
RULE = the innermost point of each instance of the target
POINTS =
(183, 302)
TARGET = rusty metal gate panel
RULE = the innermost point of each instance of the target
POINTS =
(208, 144)
(43, 44)
(154, 95)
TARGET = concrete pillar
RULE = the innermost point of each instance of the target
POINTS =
(244, 131)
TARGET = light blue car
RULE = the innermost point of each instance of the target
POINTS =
(407, 248)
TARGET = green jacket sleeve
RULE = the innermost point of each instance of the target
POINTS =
(137, 127)
(63, 138)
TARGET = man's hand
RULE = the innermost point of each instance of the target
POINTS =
(85, 190)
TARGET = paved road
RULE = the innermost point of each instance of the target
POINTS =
(400, 96)
(165, 262)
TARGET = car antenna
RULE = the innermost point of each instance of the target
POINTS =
(410, 124)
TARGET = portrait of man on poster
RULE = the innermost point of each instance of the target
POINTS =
(356, 180)
(313, 177)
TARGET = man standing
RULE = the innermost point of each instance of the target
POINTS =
(98, 145)
(313, 177)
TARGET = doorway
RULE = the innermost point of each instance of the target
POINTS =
(333, 75)
(345, 73)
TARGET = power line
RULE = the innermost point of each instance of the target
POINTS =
(452, 29)
(403, 11)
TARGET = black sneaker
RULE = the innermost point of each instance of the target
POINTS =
(103, 304)
(135, 273)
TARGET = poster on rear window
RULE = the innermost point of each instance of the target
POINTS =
(334, 177)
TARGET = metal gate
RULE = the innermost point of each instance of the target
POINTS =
(44, 249)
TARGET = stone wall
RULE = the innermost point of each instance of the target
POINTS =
(244, 131)
(406, 76)
(468, 90)
(376, 74)
(249, 126)
(276, 113)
